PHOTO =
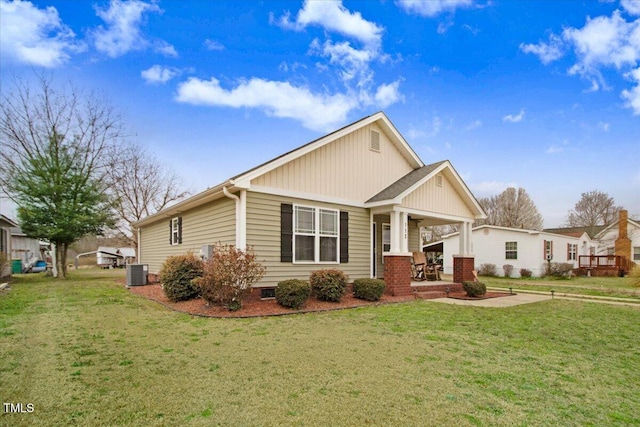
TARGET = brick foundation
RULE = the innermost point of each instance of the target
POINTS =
(397, 274)
(463, 269)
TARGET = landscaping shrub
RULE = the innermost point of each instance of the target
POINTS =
(474, 289)
(328, 285)
(368, 289)
(293, 293)
(228, 275)
(508, 269)
(176, 276)
(487, 270)
(525, 272)
(560, 269)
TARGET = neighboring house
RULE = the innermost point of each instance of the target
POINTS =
(621, 238)
(6, 225)
(25, 248)
(520, 248)
(354, 200)
(115, 257)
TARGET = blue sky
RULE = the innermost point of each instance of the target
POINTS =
(544, 95)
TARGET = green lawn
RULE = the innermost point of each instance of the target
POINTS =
(87, 352)
(620, 287)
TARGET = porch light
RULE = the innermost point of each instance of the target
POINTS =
(448, 290)
(511, 291)
(552, 292)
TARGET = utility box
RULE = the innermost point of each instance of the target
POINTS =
(137, 274)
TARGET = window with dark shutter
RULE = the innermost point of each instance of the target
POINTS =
(286, 232)
(175, 231)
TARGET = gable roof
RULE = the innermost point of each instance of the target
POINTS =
(517, 230)
(575, 231)
(10, 222)
(410, 182)
(615, 224)
(243, 179)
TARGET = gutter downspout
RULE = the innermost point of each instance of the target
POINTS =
(241, 216)
(138, 254)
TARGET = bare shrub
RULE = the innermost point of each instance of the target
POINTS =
(228, 275)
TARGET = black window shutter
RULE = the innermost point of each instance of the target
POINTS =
(344, 237)
(171, 232)
(179, 230)
(286, 232)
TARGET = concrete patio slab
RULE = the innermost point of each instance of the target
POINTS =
(506, 301)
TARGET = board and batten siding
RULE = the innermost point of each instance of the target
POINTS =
(442, 199)
(205, 225)
(346, 168)
(263, 234)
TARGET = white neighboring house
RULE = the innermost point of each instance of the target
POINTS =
(520, 248)
(6, 224)
(609, 238)
(115, 257)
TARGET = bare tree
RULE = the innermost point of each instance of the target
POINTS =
(594, 208)
(140, 186)
(52, 150)
(511, 208)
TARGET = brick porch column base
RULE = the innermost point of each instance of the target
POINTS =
(397, 274)
(463, 267)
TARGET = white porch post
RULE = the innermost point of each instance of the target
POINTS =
(465, 238)
(395, 232)
(404, 232)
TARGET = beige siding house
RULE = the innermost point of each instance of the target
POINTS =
(354, 199)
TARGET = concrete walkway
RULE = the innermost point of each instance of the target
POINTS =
(506, 301)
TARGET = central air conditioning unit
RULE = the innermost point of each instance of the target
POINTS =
(137, 274)
(206, 251)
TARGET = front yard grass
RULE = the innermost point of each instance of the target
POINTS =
(87, 352)
(619, 287)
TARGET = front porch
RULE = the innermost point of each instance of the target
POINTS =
(435, 289)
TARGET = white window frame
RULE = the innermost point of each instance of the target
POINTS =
(572, 252)
(175, 231)
(507, 251)
(636, 253)
(317, 233)
(386, 246)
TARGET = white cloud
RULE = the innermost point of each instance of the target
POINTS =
(443, 27)
(547, 52)
(388, 94)
(122, 33)
(554, 149)
(604, 126)
(213, 45)
(632, 7)
(474, 125)
(35, 36)
(333, 16)
(429, 130)
(320, 112)
(514, 119)
(632, 96)
(432, 7)
(158, 74)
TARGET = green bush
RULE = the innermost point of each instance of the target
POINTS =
(293, 293)
(368, 289)
(525, 272)
(177, 274)
(328, 285)
(487, 270)
(474, 289)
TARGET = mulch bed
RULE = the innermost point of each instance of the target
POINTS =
(198, 307)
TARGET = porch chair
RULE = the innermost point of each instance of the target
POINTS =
(418, 266)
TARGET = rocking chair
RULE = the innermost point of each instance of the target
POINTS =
(419, 265)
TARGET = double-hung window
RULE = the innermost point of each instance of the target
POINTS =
(511, 250)
(572, 252)
(316, 235)
(176, 231)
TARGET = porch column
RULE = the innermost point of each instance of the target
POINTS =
(397, 263)
(464, 261)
